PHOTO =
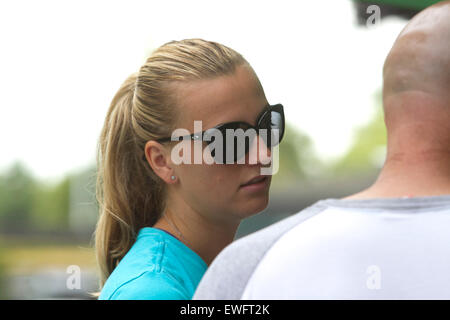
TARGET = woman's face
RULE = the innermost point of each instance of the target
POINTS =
(215, 190)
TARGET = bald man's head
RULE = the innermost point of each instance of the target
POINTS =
(420, 57)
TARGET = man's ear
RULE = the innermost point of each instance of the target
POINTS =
(158, 157)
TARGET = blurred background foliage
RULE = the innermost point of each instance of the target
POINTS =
(297, 158)
(368, 150)
(30, 205)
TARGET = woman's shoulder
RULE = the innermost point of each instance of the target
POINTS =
(149, 285)
(146, 271)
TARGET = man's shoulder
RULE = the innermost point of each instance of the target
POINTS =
(265, 237)
(230, 271)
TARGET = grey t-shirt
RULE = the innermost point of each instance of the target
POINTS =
(396, 248)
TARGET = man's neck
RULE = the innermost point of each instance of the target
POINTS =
(411, 175)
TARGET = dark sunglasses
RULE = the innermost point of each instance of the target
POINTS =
(271, 118)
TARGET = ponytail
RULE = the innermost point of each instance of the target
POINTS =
(128, 197)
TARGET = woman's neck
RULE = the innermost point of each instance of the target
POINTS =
(205, 237)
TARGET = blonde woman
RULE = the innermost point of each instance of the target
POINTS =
(162, 222)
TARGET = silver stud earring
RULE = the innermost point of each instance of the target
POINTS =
(172, 177)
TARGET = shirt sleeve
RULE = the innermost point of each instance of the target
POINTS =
(151, 286)
(229, 274)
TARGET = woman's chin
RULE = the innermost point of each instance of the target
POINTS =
(254, 207)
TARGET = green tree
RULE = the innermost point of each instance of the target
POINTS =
(16, 191)
(51, 205)
(3, 284)
(297, 158)
(369, 147)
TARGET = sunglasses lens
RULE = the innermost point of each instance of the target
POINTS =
(236, 142)
(235, 145)
(240, 147)
(277, 123)
(272, 121)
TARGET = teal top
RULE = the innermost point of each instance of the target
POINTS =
(157, 267)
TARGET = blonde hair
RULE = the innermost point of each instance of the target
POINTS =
(129, 194)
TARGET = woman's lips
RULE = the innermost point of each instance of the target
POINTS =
(255, 184)
(254, 180)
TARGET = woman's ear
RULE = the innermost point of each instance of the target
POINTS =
(158, 157)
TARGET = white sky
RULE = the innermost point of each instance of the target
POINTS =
(61, 62)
